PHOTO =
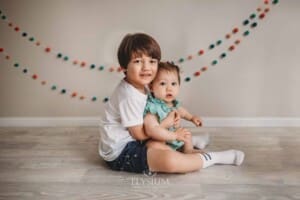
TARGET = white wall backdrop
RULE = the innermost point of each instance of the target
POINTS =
(260, 78)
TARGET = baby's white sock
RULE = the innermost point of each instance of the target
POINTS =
(229, 157)
(200, 141)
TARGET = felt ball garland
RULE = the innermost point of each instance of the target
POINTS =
(53, 87)
(261, 13)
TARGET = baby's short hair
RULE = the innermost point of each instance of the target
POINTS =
(170, 67)
(136, 45)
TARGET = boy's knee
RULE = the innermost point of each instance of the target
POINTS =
(171, 163)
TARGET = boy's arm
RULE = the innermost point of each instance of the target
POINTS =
(189, 117)
(157, 132)
(138, 132)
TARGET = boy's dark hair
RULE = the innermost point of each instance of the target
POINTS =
(136, 45)
(170, 67)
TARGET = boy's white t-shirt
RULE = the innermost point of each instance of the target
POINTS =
(124, 109)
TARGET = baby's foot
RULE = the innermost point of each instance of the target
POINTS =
(200, 141)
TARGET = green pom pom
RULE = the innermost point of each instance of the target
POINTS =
(181, 60)
(25, 71)
(59, 55)
(219, 42)
(63, 91)
(106, 99)
(16, 64)
(252, 16)
(53, 87)
(66, 58)
(3, 17)
(275, 1)
(101, 68)
(253, 25)
(94, 98)
(246, 33)
(214, 62)
(187, 79)
(246, 22)
(31, 39)
(93, 66)
(211, 46)
(223, 55)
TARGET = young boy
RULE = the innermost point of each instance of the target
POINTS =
(122, 126)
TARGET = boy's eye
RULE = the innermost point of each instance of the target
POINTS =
(162, 83)
(153, 61)
(174, 83)
(136, 61)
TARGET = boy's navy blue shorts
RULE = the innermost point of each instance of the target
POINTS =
(132, 159)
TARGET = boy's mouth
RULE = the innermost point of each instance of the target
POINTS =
(146, 75)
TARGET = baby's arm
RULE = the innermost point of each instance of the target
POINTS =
(157, 132)
(189, 117)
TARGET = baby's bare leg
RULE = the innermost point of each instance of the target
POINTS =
(157, 145)
(189, 147)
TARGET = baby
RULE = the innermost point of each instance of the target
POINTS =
(164, 90)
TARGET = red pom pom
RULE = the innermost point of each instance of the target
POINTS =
(237, 41)
(231, 48)
(204, 68)
(7, 57)
(235, 30)
(17, 29)
(1, 49)
(201, 52)
(262, 15)
(266, 1)
(74, 94)
(267, 10)
(10, 24)
(120, 69)
(111, 69)
(75, 62)
(82, 64)
(227, 36)
(48, 49)
(34, 76)
(37, 43)
(43, 82)
(258, 9)
(190, 57)
(82, 97)
(197, 73)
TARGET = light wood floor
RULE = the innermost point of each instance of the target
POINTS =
(63, 163)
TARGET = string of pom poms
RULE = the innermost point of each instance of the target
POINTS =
(53, 87)
(233, 46)
(84, 64)
(64, 91)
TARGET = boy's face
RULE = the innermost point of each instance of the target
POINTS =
(166, 86)
(141, 70)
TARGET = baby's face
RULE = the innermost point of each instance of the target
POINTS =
(165, 86)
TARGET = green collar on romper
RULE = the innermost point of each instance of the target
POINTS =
(163, 104)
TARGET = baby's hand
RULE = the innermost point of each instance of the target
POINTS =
(172, 119)
(196, 120)
(182, 134)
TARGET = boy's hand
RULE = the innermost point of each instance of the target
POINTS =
(182, 134)
(196, 120)
(173, 119)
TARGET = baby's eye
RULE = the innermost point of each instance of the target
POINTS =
(162, 83)
(174, 83)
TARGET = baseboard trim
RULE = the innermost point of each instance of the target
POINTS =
(94, 121)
